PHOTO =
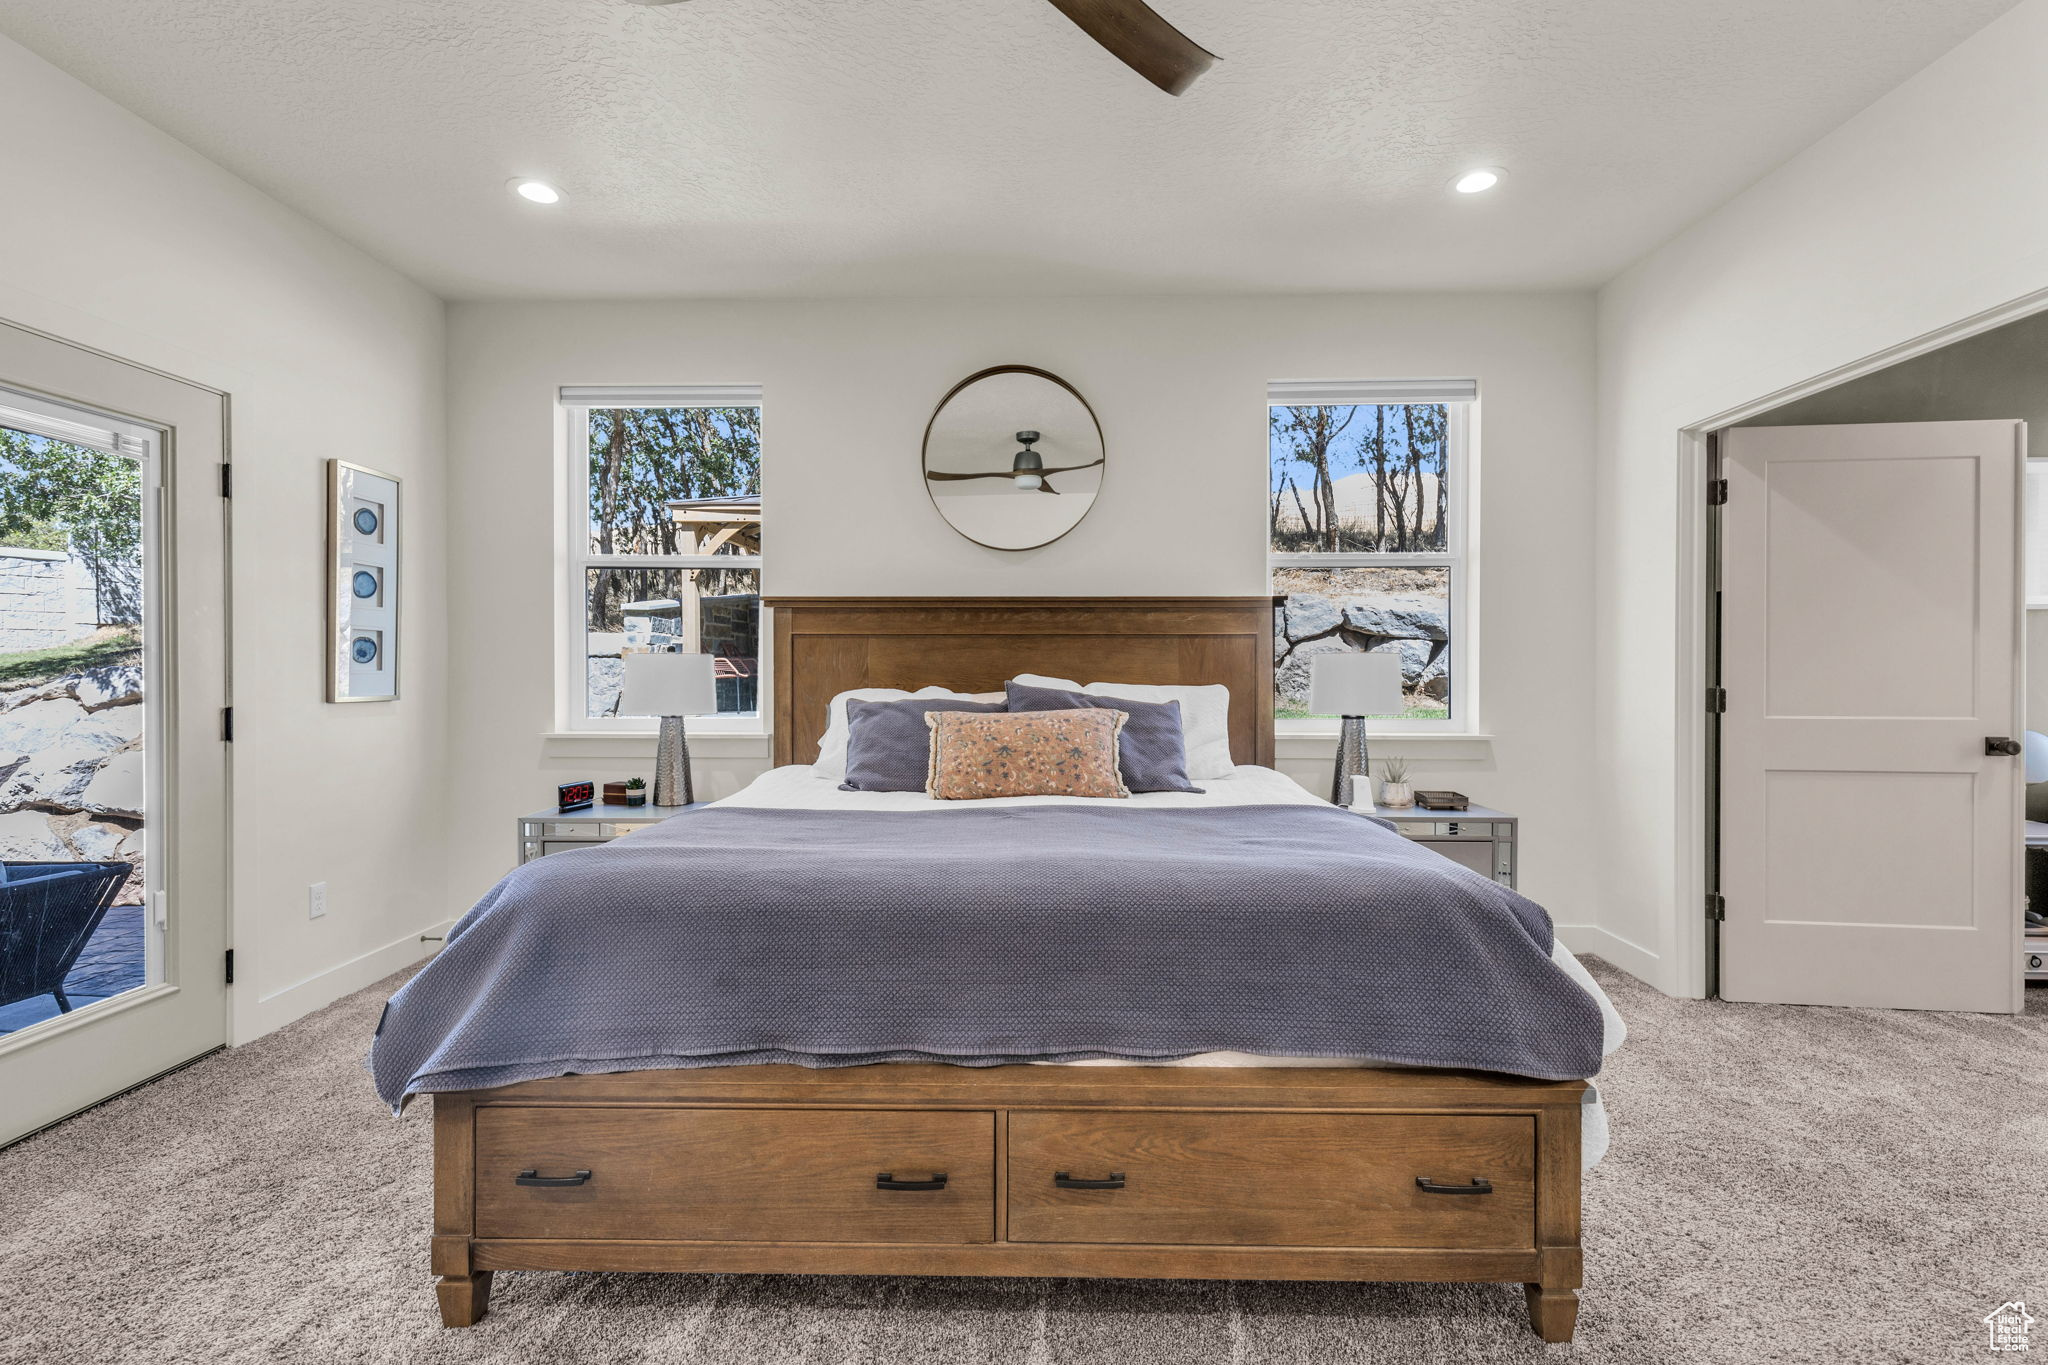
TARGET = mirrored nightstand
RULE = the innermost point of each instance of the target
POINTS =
(1479, 838)
(551, 831)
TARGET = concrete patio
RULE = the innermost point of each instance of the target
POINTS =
(111, 963)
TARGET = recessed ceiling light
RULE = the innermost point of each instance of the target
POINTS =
(539, 191)
(1477, 181)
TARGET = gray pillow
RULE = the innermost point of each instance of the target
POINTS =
(888, 745)
(1152, 752)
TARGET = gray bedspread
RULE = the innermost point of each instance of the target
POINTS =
(981, 937)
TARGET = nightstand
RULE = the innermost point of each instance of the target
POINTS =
(2034, 942)
(1481, 839)
(552, 831)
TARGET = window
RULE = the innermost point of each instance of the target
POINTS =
(80, 555)
(1366, 514)
(664, 540)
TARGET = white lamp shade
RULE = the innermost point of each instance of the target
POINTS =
(1355, 685)
(668, 685)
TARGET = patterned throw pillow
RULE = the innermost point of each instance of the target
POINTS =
(1154, 754)
(978, 755)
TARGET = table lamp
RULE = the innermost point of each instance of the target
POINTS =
(671, 686)
(1354, 686)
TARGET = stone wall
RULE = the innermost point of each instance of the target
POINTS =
(1345, 610)
(37, 603)
(72, 775)
(50, 598)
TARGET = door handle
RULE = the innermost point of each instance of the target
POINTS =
(551, 1182)
(1067, 1182)
(1478, 1186)
(887, 1181)
(1997, 745)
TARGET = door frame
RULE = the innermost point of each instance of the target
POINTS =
(201, 865)
(1694, 949)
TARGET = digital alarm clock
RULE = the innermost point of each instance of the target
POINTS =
(575, 795)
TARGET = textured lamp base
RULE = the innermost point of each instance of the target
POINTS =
(672, 765)
(1352, 760)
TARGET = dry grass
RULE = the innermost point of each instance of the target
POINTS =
(1389, 581)
(107, 645)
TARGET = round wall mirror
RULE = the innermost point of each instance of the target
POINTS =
(1013, 457)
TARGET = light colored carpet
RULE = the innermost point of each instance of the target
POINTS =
(1786, 1185)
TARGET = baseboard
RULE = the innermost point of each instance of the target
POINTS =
(1615, 950)
(252, 1019)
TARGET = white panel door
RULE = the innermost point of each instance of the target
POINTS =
(168, 1000)
(1870, 846)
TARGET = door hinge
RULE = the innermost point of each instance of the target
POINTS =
(227, 724)
(1717, 701)
(1717, 906)
(227, 480)
(231, 966)
(1717, 492)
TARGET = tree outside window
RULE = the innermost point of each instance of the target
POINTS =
(1362, 514)
(667, 544)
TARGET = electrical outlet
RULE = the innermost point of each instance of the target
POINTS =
(316, 900)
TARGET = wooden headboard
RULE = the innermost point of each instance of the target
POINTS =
(827, 645)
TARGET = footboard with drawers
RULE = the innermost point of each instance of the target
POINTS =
(1145, 1172)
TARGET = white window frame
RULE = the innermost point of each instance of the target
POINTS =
(95, 430)
(1461, 399)
(574, 556)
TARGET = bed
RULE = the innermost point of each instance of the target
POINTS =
(1176, 1124)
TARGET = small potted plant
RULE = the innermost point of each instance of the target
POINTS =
(636, 791)
(1394, 789)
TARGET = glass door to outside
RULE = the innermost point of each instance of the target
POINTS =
(113, 874)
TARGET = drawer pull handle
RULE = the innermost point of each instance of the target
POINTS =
(1067, 1182)
(887, 1181)
(1478, 1186)
(551, 1182)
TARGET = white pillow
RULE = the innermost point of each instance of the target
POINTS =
(831, 762)
(1204, 717)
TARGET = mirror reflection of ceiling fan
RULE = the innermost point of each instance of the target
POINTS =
(1134, 34)
(1027, 469)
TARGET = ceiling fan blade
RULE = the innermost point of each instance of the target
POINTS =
(1009, 473)
(1136, 36)
(1045, 486)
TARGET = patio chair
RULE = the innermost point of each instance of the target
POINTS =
(48, 912)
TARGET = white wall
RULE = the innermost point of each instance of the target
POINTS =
(1180, 388)
(1923, 210)
(118, 237)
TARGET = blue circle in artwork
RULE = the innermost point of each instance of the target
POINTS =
(365, 583)
(364, 650)
(366, 522)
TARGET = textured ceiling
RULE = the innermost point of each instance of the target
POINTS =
(806, 147)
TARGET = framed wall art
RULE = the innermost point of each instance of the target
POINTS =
(362, 583)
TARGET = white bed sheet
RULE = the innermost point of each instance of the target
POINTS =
(796, 787)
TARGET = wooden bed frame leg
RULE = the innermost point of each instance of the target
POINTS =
(1553, 1312)
(464, 1298)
